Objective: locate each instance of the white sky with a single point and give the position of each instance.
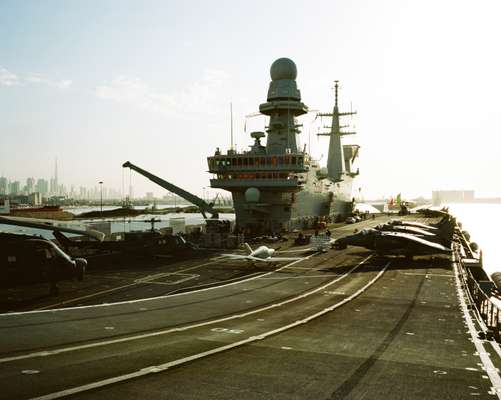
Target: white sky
(97, 83)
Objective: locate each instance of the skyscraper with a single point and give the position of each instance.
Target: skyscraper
(55, 175)
(42, 187)
(54, 184)
(14, 188)
(3, 185)
(30, 185)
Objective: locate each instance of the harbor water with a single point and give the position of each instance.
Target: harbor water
(482, 221)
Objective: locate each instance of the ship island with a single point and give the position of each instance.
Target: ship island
(278, 186)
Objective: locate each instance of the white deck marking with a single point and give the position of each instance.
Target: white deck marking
(482, 353)
(153, 279)
(427, 275)
(76, 299)
(163, 367)
(303, 250)
(302, 277)
(44, 309)
(179, 329)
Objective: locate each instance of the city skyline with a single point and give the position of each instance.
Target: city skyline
(44, 187)
(53, 188)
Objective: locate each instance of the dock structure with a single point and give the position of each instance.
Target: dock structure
(338, 325)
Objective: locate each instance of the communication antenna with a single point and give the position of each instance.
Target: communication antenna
(123, 188)
(130, 185)
(231, 122)
(309, 139)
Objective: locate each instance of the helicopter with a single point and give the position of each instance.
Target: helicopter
(26, 259)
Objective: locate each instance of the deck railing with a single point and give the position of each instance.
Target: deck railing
(486, 309)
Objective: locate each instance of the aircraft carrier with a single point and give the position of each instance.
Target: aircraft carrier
(343, 324)
(335, 324)
(280, 186)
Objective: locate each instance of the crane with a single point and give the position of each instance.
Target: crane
(201, 204)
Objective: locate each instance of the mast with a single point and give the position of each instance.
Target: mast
(231, 122)
(335, 161)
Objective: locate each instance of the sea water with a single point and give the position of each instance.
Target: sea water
(483, 223)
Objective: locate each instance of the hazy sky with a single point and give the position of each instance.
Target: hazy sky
(96, 83)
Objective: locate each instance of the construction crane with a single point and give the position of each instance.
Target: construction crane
(203, 206)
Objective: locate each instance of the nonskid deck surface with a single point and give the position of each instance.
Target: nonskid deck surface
(404, 338)
(339, 325)
(135, 278)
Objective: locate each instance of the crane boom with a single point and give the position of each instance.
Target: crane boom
(201, 204)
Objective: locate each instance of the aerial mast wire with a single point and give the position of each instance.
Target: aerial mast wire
(231, 123)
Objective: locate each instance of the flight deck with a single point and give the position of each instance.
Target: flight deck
(344, 324)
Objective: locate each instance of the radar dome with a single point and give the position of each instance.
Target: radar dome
(252, 195)
(283, 68)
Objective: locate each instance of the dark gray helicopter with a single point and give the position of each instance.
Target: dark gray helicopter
(28, 259)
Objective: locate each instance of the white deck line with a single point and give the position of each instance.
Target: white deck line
(162, 367)
(149, 298)
(489, 367)
(46, 353)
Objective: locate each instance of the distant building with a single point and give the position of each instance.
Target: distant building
(42, 187)
(452, 196)
(30, 186)
(35, 199)
(149, 196)
(14, 188)
(5, 207)
(4, 185)
(83, 193)
(52, 187)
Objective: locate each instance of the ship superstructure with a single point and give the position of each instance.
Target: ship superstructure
(277, 186)
(340, 160)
